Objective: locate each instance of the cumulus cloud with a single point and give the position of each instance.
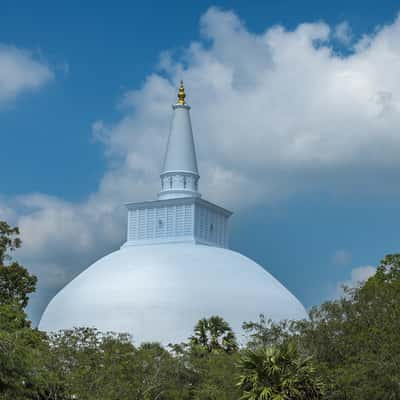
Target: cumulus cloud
(20, 71)
(358, 276)
(343, 33)
(274, 113)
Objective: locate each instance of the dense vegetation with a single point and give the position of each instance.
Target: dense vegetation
(348, 349)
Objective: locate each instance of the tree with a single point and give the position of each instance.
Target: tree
(16, 283)
(355, 340)
(214, 334)
(21, 353)
(9, 240)
(278, 373)
(21, 347)
(206, 375)
(263, 332)
(84, 363)
(215, 375)
(388, 271)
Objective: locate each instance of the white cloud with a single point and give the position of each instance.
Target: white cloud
(358, 276)
(343, 33)
(20, 71)
(274, 114)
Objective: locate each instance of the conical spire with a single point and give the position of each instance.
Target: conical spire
(179, 176)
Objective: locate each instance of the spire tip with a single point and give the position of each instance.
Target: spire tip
(181, 94)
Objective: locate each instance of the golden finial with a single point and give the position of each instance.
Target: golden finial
(181, 94)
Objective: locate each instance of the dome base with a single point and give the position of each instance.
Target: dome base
(159, 292)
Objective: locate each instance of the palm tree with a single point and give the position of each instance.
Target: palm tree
(214, 334)
(278, 373)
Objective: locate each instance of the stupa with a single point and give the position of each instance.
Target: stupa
(175, 266)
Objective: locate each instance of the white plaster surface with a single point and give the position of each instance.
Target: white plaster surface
(159, 292)
(180, 154)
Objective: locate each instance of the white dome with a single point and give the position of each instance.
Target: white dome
(159, 292)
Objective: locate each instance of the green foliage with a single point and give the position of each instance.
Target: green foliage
(9, 240)
(16, 283)
(216, 376)
(20, 345)
(354, 341)
(388, 271)
(209, 375)
(89, 365)
(265, 332)
(278, 373)
(21, 348)
(214, 334)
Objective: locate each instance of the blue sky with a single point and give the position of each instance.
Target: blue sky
(63, 132)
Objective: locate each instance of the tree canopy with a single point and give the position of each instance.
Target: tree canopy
(277, 372)
(16, 283)
(214, 334)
